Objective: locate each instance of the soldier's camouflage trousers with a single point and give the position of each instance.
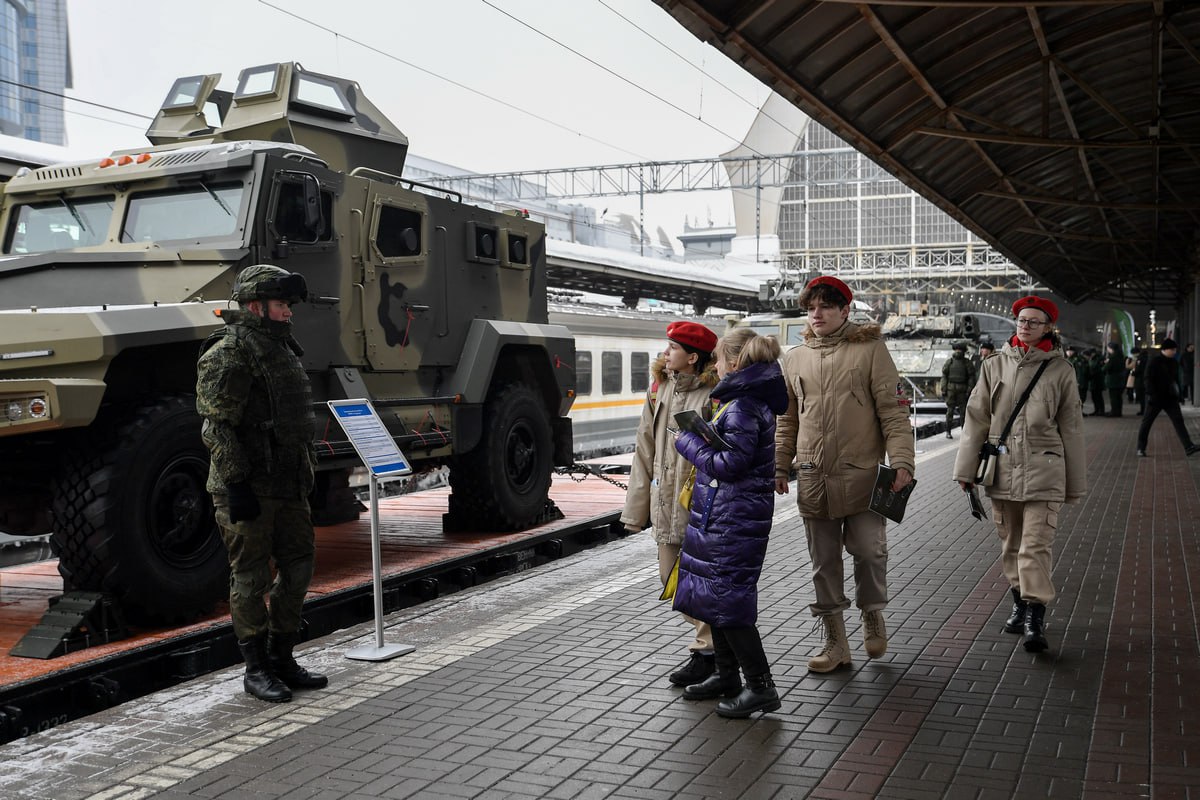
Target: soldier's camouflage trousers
(283, 533)
(956, 400)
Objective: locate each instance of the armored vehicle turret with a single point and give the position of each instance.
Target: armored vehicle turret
(922, 336)
(114, 271)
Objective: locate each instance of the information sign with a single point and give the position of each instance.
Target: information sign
(370, 438)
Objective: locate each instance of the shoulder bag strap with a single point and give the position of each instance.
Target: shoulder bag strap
(1020, 403)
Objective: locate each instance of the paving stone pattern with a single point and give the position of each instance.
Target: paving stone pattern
(553, 684)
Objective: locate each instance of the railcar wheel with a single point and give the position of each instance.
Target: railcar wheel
(505, 481)
(133, 518)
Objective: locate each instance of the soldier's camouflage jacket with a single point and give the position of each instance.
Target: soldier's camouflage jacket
(256, 401)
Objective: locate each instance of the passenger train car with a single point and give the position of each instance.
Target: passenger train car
(614, 348)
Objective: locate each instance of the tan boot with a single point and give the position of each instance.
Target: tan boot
(836, 652)
(874, 634)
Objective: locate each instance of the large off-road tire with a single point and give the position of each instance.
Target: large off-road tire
(133, 518)
(503, 483)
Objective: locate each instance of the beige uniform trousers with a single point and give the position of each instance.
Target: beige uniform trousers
(864, 537)
(1026, 531)
(667, 553)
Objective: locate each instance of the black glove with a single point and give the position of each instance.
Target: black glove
(243, 505)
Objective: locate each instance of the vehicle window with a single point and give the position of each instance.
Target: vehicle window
(58, 224)
(185, 213)
(639, 372)
(610, 372)
(795, 332)
(289, 214)
(399, 232)
(583, 372)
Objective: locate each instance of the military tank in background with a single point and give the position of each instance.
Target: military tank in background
(921, 337)
(114, 270)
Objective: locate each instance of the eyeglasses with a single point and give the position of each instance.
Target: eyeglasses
(1030, 323)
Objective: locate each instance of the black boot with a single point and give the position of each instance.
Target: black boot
(1016, 620)
(714, 686)
(759, 695)
(726, 681)
(279, 654)
(698, 667)
(1035, 640)
(259, 681)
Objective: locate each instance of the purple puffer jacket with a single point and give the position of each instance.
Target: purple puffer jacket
(734, 500)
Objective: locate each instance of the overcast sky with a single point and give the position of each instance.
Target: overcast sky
(487, 85)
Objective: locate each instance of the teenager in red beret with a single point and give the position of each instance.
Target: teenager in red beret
(1041, 465)
(681, 378)
(843, 418)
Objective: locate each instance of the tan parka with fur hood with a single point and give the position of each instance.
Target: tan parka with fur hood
(842, 417)
(658, 471)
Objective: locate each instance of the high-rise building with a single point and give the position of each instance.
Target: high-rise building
(35, 68)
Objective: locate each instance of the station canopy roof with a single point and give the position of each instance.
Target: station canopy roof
(1064, 132)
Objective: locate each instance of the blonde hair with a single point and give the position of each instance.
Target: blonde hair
(742, 347)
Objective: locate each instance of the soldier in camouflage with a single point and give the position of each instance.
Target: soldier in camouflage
(256, 402)
(958, 376)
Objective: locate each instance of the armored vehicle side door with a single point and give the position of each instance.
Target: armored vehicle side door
(305, 221)
(405, 294)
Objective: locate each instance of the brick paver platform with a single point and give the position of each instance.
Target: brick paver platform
(552, 684)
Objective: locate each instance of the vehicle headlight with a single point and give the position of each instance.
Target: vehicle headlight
(27, 408)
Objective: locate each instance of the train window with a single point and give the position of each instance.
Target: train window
(639, 372)
(583, 372)
(610, 372)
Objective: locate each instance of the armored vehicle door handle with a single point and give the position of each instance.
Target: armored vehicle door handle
(420, 309)
(320, 300)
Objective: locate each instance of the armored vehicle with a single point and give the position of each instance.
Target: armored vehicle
(921, 336)
(786, 320)
(115, 270)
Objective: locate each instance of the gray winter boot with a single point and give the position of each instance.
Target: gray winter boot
(836, 652)
(874, 633)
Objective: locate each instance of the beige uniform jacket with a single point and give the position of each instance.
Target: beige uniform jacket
(1045, 458)
(843, 416)
(658, 471)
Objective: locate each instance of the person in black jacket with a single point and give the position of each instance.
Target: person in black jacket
(1162, 394)
(1141, 360)
(1114, 378)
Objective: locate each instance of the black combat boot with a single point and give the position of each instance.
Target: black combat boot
(725, 682)
(1016, 620)
(1035, 640)
(279, 654)
(259, 681)
(759, 695)
(698, 667)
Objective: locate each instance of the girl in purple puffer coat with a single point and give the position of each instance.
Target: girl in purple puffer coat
(730, 519)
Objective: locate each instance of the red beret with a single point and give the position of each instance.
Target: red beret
(829, 280)
(1040, 303)
(693, 335)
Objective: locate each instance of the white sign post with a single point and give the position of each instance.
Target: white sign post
(383, 461)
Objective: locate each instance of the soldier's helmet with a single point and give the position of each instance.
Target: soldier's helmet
(267, 282)
(960, 347)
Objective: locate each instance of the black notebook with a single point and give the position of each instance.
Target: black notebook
(692, 421)
(976, 504)
(884, 501)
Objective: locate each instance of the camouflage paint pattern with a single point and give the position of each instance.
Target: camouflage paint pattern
(417, 300)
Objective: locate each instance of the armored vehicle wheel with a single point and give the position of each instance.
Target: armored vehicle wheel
(133, 519)
(505, 480)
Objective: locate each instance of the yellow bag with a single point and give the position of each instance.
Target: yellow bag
(685, 494)
(668, 591)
